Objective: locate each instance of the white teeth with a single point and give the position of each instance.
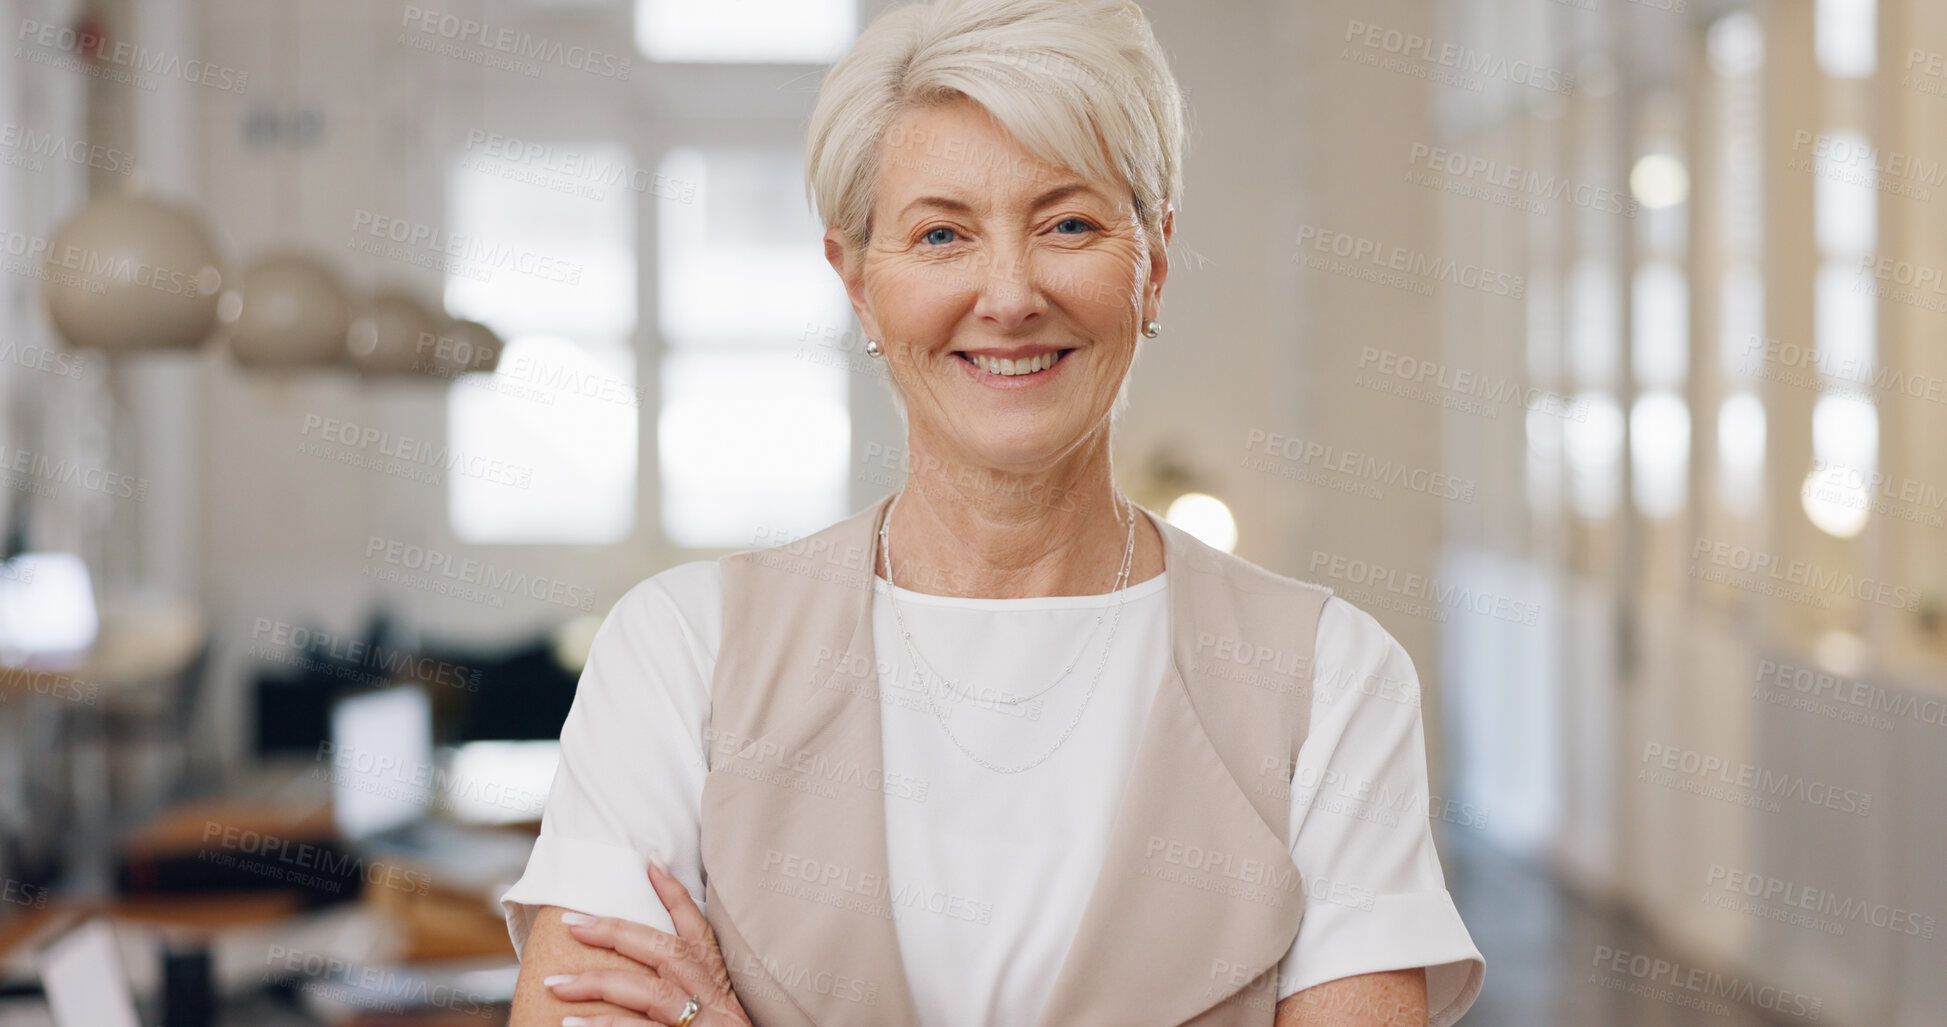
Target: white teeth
(1026, 365)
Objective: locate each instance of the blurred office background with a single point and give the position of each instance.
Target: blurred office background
(1593, 346)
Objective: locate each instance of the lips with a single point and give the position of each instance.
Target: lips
(1017, 363)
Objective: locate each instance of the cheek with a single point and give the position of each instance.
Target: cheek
(1099, 287)
(919, 303)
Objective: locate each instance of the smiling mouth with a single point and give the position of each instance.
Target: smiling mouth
(1015, 368)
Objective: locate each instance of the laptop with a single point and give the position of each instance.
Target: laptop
(396, 798)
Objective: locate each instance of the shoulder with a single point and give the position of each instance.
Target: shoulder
(1235, 572)
(687, 597)
(1355, 636)
(1359, 667)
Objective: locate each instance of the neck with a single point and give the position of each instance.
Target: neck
(963, 529)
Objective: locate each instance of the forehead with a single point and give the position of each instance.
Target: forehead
(957, 150)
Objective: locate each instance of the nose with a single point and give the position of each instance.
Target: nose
(1009, 296)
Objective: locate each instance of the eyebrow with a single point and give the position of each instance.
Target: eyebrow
(960, 207)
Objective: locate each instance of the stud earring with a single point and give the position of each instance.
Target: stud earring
(872, 348)
(1152, 328)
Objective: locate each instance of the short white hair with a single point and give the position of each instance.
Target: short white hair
(1080, 84)
(1068, 79)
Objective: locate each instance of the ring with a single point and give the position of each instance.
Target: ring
(694, 1007)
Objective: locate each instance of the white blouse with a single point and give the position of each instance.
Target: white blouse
(1005, 861)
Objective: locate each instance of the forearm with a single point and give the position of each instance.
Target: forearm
(551, 950)
(1394, 998)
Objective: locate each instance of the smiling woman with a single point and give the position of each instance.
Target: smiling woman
(1014, 772)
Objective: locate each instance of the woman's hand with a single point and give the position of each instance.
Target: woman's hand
(676, 966)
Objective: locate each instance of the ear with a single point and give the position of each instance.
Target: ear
(1159, 267)
(849, 266)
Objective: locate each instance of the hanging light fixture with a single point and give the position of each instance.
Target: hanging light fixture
(132, 272)
(462, 347)
(290, 310)
(385, 334)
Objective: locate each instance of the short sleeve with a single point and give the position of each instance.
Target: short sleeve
(629, 788)
(1376, 898)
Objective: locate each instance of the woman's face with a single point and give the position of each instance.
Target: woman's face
(986, 263)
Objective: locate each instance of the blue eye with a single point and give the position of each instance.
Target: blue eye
(1085, 226)
(933, 236)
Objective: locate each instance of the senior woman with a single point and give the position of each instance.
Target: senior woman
(1003, 748)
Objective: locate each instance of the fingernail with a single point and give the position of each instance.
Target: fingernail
(557, 979)
(575, 1021)
(577, 919)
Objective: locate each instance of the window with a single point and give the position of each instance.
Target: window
(1837, 491)
(1736, 45)
(552, 272)
(810, 31)
(752, 438)
(1842, 37)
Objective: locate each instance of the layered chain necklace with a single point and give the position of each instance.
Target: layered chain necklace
(939, 708)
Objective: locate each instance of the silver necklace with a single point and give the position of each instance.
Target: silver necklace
(1121, 581)
(939, 708)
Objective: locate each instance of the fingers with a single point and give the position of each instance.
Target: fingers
(644, 992)
(605, 1020)
(690, 924)
(644, 944)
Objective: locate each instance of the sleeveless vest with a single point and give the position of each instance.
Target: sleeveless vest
(1197, 899)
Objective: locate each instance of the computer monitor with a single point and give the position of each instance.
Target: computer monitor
(380, 760)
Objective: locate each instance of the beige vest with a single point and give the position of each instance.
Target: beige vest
(1197, 899)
